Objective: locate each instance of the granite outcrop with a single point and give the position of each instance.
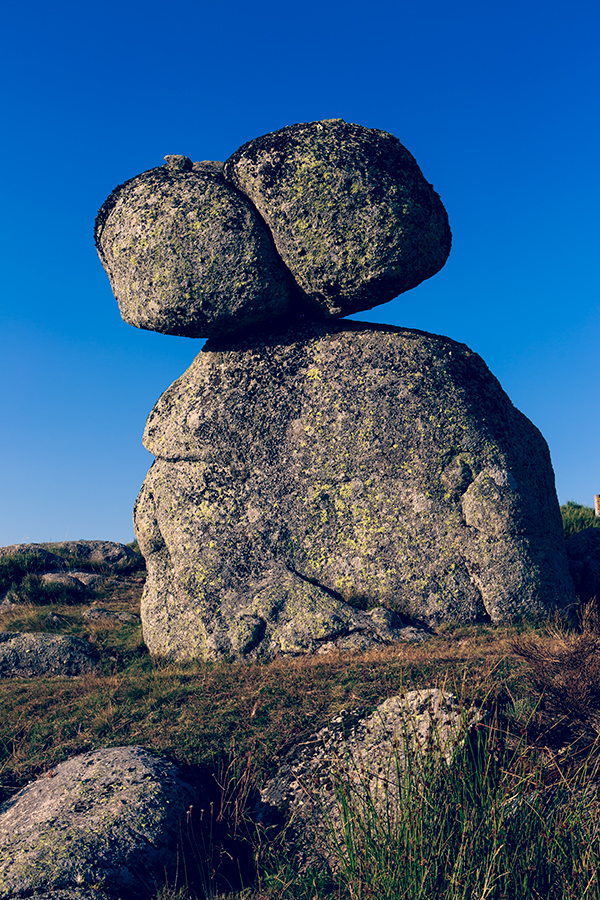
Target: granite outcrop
(319, 484)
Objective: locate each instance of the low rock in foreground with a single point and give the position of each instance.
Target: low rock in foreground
(105, 823)
(364, 756)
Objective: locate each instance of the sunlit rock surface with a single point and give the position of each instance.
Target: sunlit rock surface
(303, 473)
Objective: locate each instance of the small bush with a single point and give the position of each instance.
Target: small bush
(564, 668)
(15, 567)
(34, 591)
(576, 517)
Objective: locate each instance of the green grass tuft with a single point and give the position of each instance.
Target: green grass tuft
(576, 517)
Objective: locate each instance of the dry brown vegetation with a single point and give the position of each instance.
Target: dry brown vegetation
(540, 684)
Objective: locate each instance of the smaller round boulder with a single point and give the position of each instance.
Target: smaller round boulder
(186, 254)
(350, 212)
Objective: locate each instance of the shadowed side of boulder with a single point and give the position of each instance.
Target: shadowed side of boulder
(583, 552)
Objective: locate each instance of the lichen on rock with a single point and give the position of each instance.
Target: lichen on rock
(301, 470)
(186, 254)
(350, 212)
(106, 821)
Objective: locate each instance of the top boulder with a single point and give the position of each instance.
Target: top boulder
(320, 220)
(349, 210)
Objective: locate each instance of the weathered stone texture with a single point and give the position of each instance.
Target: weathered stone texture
(32, 655)
(350, 212)
(187, 254)
(365, 756)
(106, 821)
(300, 469)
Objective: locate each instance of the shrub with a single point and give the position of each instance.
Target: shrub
(576, 517)
(564, 668)
(15, 567)
(33, 590)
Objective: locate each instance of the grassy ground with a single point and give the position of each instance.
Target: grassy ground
(229, 723)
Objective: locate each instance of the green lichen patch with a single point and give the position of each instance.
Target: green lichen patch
(350, 212)
(188, 255)
(365, 461)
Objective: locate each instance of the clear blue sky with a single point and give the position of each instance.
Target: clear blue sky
(498, 102)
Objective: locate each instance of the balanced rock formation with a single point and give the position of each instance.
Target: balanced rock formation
(350, 212)
(348, 209)
(319, 484)
(302, 471)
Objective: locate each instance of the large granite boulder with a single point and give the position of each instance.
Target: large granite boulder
(301, 474)
(350, 212)
(106, 822)
(187, 254)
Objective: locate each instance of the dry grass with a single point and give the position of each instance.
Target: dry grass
(231, 722)
(564, 669)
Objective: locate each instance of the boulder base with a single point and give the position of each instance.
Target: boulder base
(303, 476)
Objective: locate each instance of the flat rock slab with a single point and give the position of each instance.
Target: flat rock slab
(350, 212)
(106, 821)
(97, 613)
(364, 755)
(302, 473)
(31, 655)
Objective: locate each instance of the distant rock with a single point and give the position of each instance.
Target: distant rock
(303, 473)
(103, 824)
(363, 754)
(583, 553)
(350, 212)
(91, 580)
(66, 580)
(109, 554)
(31, 655)
(45, 560)
(187, 254)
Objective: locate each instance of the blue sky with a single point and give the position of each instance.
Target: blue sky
(498, 103)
